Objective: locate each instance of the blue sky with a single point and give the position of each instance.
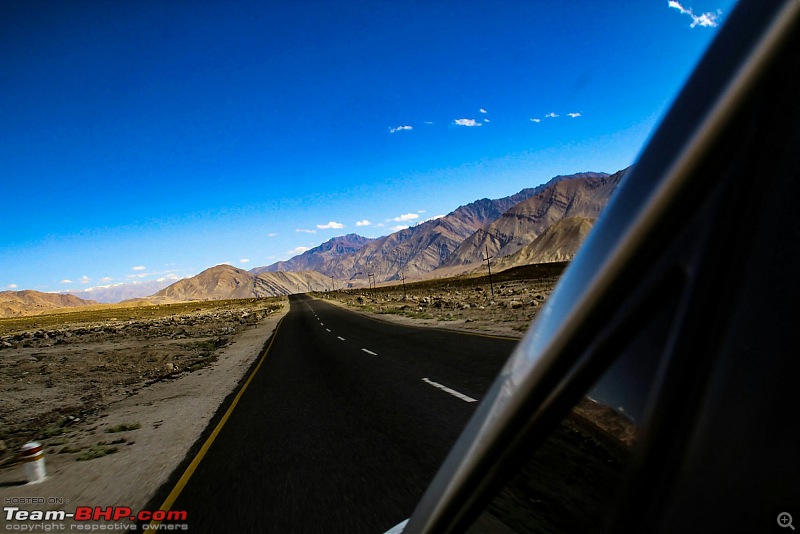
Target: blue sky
(143, 140)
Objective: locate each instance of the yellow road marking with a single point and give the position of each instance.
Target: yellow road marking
(176, 491)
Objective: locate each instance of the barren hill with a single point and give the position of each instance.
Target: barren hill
(227, 282)
(579, 195)
(29, 302)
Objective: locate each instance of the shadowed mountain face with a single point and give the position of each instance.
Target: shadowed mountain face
(582, 195)
(227, 282)
(29, 302)
(559, 242)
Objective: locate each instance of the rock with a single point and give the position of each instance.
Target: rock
(515, 304)
(169, 368)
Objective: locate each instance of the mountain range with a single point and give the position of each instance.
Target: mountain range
(502, 227)
(536, 225)
(581, 195)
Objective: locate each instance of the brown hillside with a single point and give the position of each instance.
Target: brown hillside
(227, 282)
(29, 302)
(580, 196)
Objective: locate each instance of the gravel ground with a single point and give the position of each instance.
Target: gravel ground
(118, 404)
(509, 312)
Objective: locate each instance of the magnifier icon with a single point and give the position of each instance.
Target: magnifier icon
(785, 520)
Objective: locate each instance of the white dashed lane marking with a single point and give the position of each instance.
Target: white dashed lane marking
(452, 392)
(370, 352)
(340, 338)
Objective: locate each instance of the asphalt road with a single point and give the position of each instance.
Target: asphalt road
(343, 426)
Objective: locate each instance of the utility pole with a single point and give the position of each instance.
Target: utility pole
(403, 278)
(489, 265)
(333, 285)
(371, 278)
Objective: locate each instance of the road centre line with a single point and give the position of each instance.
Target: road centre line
(370, 352)
(340, 337)
(328, 329)
(452, 392)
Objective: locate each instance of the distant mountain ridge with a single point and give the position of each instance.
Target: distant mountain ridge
(416, 250)
(504, 225)
(579, 195)
(119, 292)
(316, 258)
(30, 302)
(541, 224)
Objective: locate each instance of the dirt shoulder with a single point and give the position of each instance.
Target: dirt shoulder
(122, 450)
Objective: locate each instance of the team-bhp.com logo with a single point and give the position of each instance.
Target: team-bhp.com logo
(97, 513)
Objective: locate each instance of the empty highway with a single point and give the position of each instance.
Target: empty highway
(341, 428)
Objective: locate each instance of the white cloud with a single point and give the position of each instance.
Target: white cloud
(420, 211)
(12, 286)
(429, 123)
(536, 120)
(706, 20)
(486, 120)
(106, 279)
(140, 275)
(405, 217)
(483, 110)
(244, 260)
(551, 115)
(365, 222)
(574, 115)
(398, 228)
(304, 231)
(400, 129)
(85, 279)
(169, 277)
(272, 234)
(380, 225)
(66, 281)
(331, 225)
(138, 268)
(298, 250)
(467, 122)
